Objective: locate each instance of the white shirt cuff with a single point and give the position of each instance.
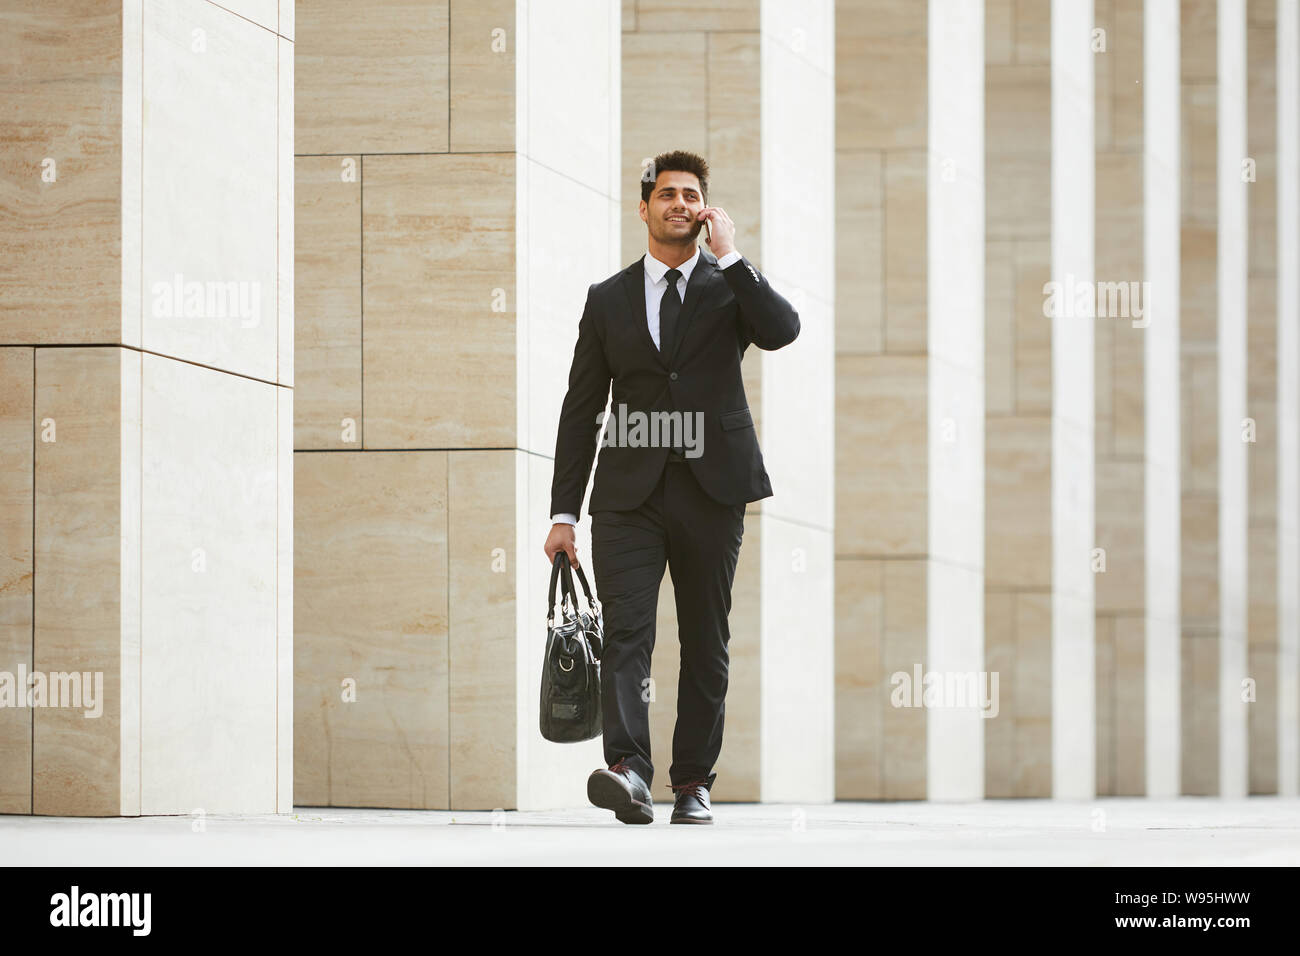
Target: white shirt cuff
(564, 519)
(730, 258)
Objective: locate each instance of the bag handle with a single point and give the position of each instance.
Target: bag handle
(560, 570)
(561, 561)
(586, 588)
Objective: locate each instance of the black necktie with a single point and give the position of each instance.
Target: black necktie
(670, 306)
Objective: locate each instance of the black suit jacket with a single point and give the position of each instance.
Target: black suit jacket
(723, 313)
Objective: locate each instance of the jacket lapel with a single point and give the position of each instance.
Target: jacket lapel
(695, 286)
(633, 283)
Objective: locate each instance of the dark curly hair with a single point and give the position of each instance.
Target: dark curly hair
(678, 161)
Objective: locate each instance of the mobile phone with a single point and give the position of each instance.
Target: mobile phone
(708, 236)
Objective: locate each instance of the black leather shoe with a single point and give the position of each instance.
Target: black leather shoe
(692, 805)
(621, 789)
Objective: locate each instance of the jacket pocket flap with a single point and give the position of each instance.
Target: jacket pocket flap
(737, 419)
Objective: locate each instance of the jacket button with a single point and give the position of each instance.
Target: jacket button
(673, 376)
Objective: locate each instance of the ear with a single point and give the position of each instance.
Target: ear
(641, 209)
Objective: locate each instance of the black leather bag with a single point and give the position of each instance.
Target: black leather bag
(570, 705)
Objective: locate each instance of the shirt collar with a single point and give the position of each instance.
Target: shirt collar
(656, 269)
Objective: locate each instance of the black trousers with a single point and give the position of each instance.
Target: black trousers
(698, 539)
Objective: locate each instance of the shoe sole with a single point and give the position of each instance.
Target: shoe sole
(608, 794)
(707, 823)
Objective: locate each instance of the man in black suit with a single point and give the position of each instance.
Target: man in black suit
(669, 332)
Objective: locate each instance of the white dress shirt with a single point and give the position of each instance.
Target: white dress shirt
(656, 284)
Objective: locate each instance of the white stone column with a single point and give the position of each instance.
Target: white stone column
(1073, 624)
(798, 402)
(1162, 516)
(955, 392)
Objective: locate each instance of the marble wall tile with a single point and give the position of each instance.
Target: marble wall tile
(77, 760)
(734, 121)
(661, 15)
(859, 252)
(17, 438)
(1106, 704)
(1017, 504)
(327, 294)
(1126, 41)
(215, 91)
(1000, 328)
(209, 665)
(861, 687)
(1033, 330)
(740, 764)
(1263, 719)
(1033, 23)
(1120, 531)
(881, 55)
(438, 234)
(370, 607)
(1200, 713)
(481, 628)
(1035, 695)
(284, 600)
(483, 38)
(1130, 707)
(881, 443)
(1017, 129)
(1200, 566)
(905, 266)
(61, 83)
(372, 79)
(566, 104)
(999, 31)
(903, 646)
(1000, 736)
(797, 661)
(1198, 21)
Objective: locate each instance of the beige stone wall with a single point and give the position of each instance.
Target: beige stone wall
(406, 420)
(1018, 396)
(881, 403)
(1120, 406)
(1198, 379)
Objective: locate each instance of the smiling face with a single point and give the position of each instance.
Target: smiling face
(672, 210)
